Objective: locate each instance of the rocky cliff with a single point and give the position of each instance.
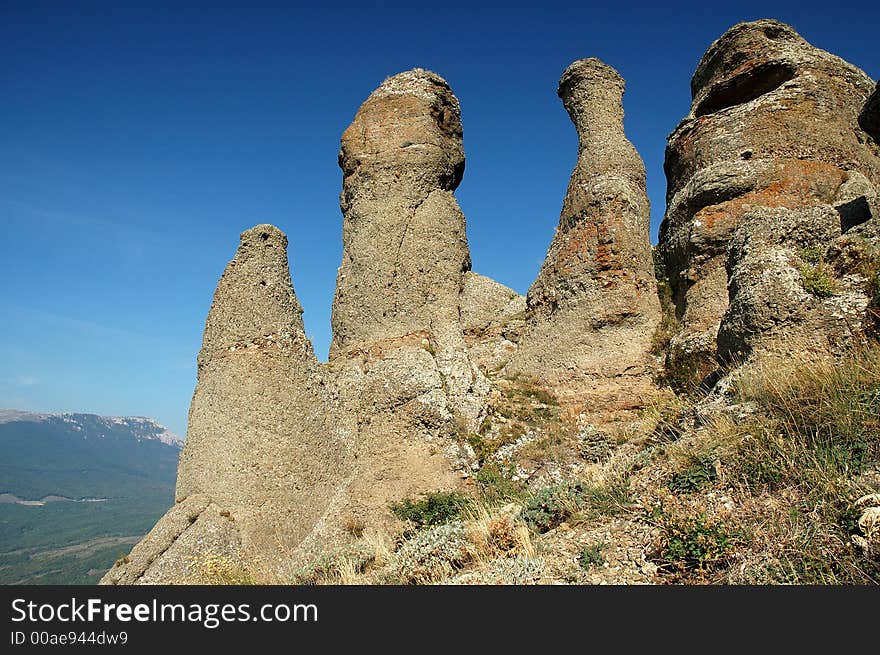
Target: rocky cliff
(443, 380)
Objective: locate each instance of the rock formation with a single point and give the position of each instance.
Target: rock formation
(771, 239)
(769, 167)
(266, 446)
(593, 308)
(492, 317)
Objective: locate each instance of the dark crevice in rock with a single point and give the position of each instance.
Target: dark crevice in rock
(745, 87)
(853, 213)
(869, 118)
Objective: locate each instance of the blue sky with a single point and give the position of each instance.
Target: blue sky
(139, 139)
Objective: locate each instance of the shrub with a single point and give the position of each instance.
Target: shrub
(431, 555)
(211, 568)
(516, 570)
(434, 508)
(699, 473)
(552, 506)
(330, 567)
(496, 485)
(813, 255)
(685, 372)
(591, 556)
(694, 543)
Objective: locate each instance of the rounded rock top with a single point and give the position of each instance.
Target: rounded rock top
(590, 71)
(416, 82)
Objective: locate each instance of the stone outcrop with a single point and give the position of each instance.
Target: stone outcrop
(403, 239)
(492, 318)
(769, 161)
(266, 446)
(405, 252)
(593, 308)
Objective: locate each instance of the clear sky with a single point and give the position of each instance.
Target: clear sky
(138, 139)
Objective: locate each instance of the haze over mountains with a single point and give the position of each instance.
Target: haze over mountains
(76, 490)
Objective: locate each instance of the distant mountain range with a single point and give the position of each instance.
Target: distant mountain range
(76, 490)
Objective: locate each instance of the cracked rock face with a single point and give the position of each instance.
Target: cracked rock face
(593, 308)
(265, 448)
(773, 124)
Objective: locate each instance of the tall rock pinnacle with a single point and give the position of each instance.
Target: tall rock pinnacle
(769, 163)
(404, 244)
(405, 251)
(264, 454)
(254, 356)
(593, 308)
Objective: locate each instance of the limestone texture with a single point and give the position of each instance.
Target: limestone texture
(404, 244)
(593, 308)
(773, 124)
(492, 318)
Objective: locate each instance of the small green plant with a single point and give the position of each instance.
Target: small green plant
(668, 325)
(695, 543)
(483, 448)
(813, 254)
(608, 499)
(591, 556)
(434, 508)
(698, 474)
(495, 484)
(329, 566)
(684, 371)
(552, 506)
(819, 280)
(431, 555)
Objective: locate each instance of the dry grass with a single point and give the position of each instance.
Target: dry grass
(498, 532)
(212, 568)
(790, 475)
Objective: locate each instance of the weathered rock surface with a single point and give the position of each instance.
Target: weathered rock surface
(405, 251)
(770, 309)
(593, 308)
(492, 318)
(773, 124)
(266, 443)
